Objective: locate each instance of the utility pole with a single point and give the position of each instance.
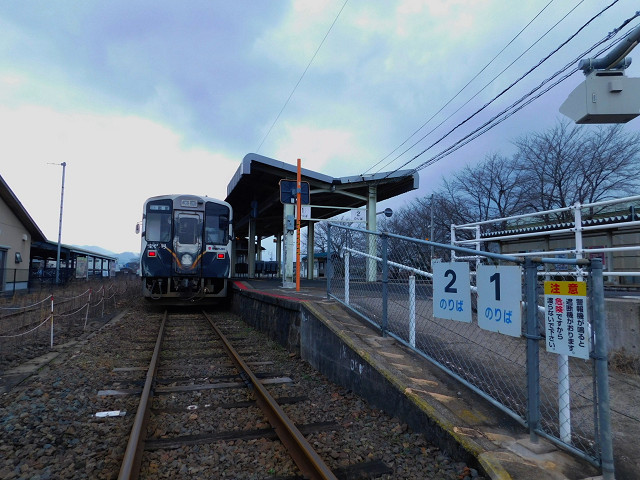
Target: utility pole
(64, 165)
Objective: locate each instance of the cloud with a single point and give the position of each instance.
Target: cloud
(146, 97)
(113, 164)
(318, 148)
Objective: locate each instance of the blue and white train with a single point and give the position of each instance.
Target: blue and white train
(186, 247)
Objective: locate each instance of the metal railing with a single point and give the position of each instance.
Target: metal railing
(474, 321)
(608, 229)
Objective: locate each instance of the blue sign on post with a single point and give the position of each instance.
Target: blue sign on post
(289, 192)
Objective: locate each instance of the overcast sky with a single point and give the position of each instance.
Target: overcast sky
(153, 97)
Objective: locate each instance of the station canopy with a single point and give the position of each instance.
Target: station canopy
(255, 190)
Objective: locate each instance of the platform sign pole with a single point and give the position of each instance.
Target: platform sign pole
(602, 370)
(533, 353)
(298, 215)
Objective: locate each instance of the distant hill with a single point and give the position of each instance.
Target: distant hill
(124, 257)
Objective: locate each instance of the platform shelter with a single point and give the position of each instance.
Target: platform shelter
(254, 194)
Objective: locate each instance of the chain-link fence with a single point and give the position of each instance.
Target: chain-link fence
(471, 319)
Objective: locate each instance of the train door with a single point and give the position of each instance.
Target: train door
(216, 263)
(187, 242)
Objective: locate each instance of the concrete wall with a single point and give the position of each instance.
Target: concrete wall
(280, 319)
(300, 329)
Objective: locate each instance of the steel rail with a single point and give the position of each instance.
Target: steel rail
(305, 457)
(130, 468)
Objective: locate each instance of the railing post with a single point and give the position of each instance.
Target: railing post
(412, 310)
(329, 267)
(51, 321)
(346, 278)
(602, 370)
(533, 358)
(86, 316)
(385, 282)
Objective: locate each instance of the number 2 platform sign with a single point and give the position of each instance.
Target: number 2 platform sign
(452, 291)
(566, 314)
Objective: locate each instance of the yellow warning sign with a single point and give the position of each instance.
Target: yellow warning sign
(566, 288)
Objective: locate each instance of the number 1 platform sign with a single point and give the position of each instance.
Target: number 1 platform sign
(566, 315)
(452, 291)
(499, 294)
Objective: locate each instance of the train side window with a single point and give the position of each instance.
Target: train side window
(217, 224)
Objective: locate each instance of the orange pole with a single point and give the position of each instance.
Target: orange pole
(298, 214)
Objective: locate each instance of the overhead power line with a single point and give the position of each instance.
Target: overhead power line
(465, 86)
(479, 91)
(519, 104)
(301, 76)
(608, 37)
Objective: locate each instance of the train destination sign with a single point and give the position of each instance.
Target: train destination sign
(499, 293)
(452, 291)
(567, 322)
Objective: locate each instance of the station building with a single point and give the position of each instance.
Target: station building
(28, 259)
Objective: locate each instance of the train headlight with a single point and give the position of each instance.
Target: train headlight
(186, 259)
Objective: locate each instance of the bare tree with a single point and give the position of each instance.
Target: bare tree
(492, 189)
(339, 237)
(611, 166)
(550, 170)
(570, 164)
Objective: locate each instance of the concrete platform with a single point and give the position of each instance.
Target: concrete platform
(350, 352)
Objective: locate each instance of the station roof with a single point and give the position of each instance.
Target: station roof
(48, 250)
(258, 179)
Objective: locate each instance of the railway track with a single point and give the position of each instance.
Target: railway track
(202, 418)
(306, 459)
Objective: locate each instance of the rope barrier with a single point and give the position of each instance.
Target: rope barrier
(68, 314)
(101, 300)
(17, 311)
(28, 332)
(27, 306)
(77, 296)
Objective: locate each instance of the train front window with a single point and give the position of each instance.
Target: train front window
(189, 228)
(158, 222)
(216, 224)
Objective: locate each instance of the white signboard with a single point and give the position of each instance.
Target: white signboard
(499, 294)
(452, 291)
(358, 215)
(81, 267)
(567, 322)
(305, 212)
